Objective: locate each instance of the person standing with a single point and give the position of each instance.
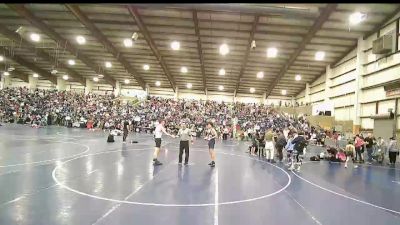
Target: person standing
(125, 131)
(369, 143)
(211, 134)
(269, 146)
(300, 145)
(160, 129)
(280, 144)
(185, 134)
(350, 152)
(358, 144)
(393, 151)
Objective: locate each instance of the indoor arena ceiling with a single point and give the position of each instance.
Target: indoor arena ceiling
(297, 31)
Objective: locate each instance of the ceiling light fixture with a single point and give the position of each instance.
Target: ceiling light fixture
(10, 69)
(135, 36)
(319, 56)
(189, 85)
(272, 52)
(6, 73)
(126, 81)
(184, 69)
(53, 71)
(35, 75)
(223, 49)
(65, 77)
(158, 83)
(356, 18)
(283, 92)
(128, 42)
(1, 58)
(81, 40)
(146, 67)
(221, 72)
(260, 75)
(108, 64)
(175, 45)
(95, 79)
(220, 87)
(100, 75)
(252, 90)
(297, 77)
(71, 62)
(35, 37)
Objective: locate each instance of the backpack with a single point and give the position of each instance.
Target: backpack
(110, 138)
(300, 146)
(315, 158)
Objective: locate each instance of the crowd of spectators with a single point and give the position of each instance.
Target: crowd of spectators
(66, 108)
(249, 122)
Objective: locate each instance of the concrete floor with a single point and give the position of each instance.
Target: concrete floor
(57, 175)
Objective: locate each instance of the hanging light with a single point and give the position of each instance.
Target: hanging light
(65, 77)
(35, 37)
(272, 52)
(224, 49)
(108, 64)
(71, 62)
(81, 40)
(126, 81)
(319, 56)
(221, 72)
(175, 45)
(95, 79)
(128, 42)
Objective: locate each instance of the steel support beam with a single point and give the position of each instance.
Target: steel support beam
(39, 52)
(259, 9)
(31, 66)
(200, 50)
(47, 30)
(139, 22)
(246, 57)
(324, 16)
(385, 21)
(103, 39)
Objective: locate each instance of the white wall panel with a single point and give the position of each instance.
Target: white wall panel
(368, 109)
(246, 99)
(45, 84)
(346, 113)
(381, 77)
(343, 89)
(319, 80)
(317, 97)
(15, 82)
(342, 79)
(317, 88)
(367, 123)
(374, 94)
(385, 105)
(345, 67)
(343, 100)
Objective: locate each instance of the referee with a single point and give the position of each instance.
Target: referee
(185, 134)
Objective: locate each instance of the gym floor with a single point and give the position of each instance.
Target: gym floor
(60, 175)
